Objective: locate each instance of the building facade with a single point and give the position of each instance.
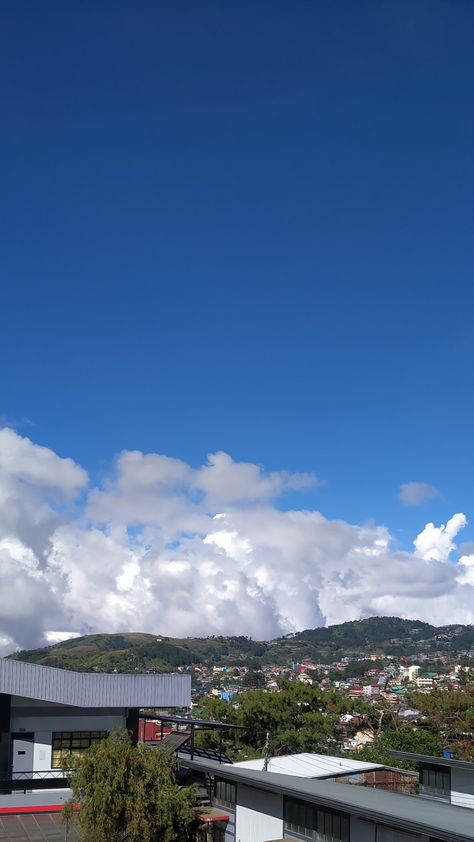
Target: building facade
(269, 807)
(46, 713)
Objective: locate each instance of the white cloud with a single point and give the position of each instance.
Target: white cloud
(60, 636)
(436, 543)
(416, 493)
(164, 547)
(226, 482)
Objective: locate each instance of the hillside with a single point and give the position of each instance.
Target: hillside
(131, 652)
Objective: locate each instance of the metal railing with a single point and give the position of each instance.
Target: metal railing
(31, 780)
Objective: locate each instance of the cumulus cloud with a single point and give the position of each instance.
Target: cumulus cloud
(436, 543)
(165, 547)
(416, 493)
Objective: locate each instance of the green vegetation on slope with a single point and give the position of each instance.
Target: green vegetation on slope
(136, 652)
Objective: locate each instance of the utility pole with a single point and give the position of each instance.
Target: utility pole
(266, 752)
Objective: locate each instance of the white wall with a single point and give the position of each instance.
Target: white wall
(259, 815)
(462, 787)
(44, 726)
(42, 750)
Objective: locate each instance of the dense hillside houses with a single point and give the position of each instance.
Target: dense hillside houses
(361, 748)
(307, 796)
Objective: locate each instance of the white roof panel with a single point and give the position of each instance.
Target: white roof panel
(307, 765)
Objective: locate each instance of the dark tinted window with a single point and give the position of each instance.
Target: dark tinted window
(225, 793)
(435, 781)
(315, 824)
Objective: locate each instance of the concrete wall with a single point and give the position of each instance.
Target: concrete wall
(462, 787)
(35, 799)
(259, 815)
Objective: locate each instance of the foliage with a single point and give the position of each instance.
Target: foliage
(128, 792)
(450, 716)
(411, 739)
(137, 652)
(298, 718)
(253, 679)
(304, 718)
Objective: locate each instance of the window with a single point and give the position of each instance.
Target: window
(225, 793)
(300, 817)
(435, 781)
(73, 742)
(315, 824)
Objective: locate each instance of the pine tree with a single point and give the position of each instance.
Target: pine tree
(128, 793)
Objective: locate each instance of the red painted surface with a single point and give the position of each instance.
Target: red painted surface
(40, 808)
(149, 731)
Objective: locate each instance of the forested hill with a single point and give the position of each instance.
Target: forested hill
(130, 652)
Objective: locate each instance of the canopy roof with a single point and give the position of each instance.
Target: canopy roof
(93, 690)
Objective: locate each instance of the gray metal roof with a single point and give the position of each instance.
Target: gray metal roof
(404, 812)
(431, 758)
(93, 690)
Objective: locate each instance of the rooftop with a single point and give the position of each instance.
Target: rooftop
(310, 765)
(430, 758)
(418, 815)
(93, 690)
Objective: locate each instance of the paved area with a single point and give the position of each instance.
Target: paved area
(40, 827)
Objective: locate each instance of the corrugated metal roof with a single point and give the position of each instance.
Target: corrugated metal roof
(403, 812)
(307, 765)
(89, 690)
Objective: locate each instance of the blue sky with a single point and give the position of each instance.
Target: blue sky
(245, 227)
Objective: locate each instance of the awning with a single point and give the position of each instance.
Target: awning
(211, 814)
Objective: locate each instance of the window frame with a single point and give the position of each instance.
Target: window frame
(73, 742)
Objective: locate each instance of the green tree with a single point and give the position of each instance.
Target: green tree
(253, 679)
(128, 792)
(410, 739)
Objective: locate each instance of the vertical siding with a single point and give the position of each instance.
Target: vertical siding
(259, 815)
(94, 690)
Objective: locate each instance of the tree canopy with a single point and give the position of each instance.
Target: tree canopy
(128, 792)
(304, 718)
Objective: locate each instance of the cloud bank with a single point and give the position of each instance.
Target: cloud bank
(164, 547)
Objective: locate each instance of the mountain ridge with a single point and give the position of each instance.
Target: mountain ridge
(140, 651)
